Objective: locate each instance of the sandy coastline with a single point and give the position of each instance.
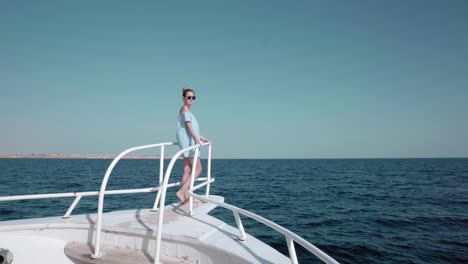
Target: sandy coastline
(74, 156)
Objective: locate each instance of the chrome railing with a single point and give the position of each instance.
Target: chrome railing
(165, 185)
(160, 196)
(102, 191)
(291, 237)
(79, 195)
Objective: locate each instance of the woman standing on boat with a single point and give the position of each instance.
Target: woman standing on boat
(188, 134)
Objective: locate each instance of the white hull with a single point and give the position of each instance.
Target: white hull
(129, 237)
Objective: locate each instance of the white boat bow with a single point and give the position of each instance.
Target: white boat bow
(177, 234)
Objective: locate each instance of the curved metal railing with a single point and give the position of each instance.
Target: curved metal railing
(161, 189)
(290, 236)
(79, 195)
(161, 197)
(102, 191)
(164, 188)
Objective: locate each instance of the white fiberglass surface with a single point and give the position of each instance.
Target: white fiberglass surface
(34, 249)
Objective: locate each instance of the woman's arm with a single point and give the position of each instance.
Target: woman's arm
(188, 124)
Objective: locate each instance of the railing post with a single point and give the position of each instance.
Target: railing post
(156, 201)
(208, 171)
(161, 166)
(97, 241)
(157, 250)
(292, 250)
(242, 237)
(163, 200)
(192, 179)
(160, 222)
(161, 175)
(72, 206)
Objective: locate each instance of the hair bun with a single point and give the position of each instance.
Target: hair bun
(185, 88)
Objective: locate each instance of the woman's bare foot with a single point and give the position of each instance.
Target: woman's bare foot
(182, 198)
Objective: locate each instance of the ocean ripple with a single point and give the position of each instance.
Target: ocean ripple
(356, 210)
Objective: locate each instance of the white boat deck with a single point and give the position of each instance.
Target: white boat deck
(184, 237)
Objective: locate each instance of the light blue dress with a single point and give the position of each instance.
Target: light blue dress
(184, 138)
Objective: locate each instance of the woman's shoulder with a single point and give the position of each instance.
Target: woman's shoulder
(184, 109)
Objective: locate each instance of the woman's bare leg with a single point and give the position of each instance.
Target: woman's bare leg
(185, 177)
(183, 192)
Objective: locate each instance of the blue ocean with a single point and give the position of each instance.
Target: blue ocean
(356, 210)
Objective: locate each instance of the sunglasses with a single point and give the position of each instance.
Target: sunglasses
(190, 97)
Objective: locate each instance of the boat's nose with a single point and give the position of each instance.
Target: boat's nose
(6, 257)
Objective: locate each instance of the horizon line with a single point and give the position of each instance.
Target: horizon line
(148, 156)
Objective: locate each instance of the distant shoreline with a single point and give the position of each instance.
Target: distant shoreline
(111, 156)
(75, 156)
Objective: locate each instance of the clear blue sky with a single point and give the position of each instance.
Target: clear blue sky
(274, 79)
